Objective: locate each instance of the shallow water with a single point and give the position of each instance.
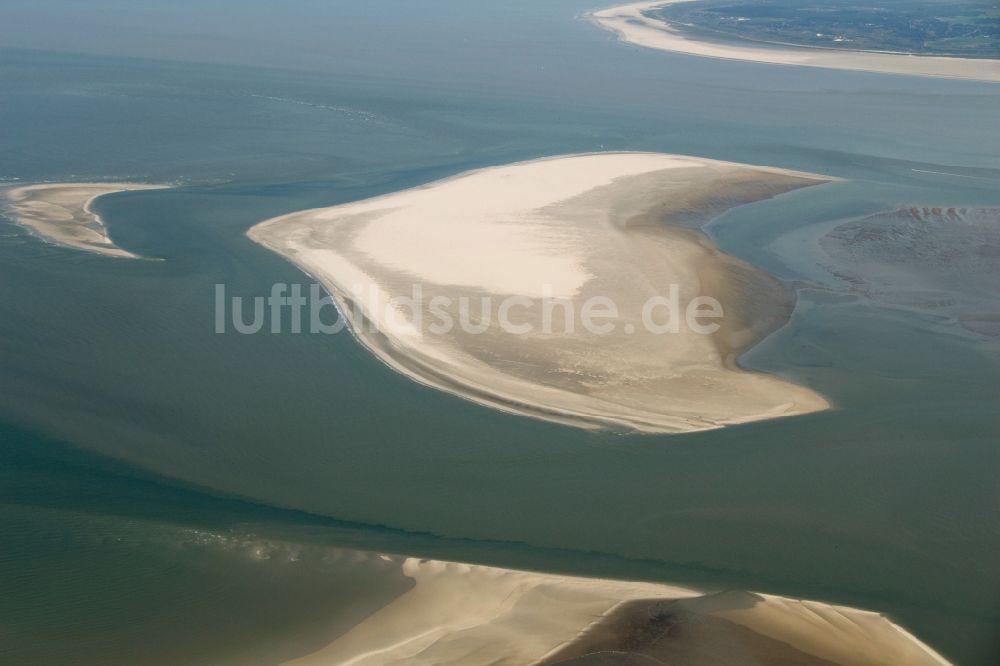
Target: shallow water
(889, 502)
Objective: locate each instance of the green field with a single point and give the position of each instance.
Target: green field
(942, 27)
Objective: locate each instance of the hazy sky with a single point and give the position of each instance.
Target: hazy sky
(300, 34)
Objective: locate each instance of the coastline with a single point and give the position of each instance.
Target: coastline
(60, 213)
(632, 26)
(580, 226)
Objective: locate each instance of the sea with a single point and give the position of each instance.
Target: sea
(172, 495)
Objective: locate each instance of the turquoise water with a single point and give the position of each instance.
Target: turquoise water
(127, 422)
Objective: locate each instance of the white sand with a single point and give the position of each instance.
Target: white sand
(61, 213)
(838, 634)
(577, 227)
(468, 214)
(631, 25)
(469, 615)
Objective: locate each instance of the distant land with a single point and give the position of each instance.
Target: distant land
(968, 28)
(711, 29)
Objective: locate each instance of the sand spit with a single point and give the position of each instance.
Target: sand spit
(61, 213)
(631, 23)
(476, 615)
(616, 226)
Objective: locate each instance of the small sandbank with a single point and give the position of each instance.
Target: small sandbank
(471, 615)
(61, 213)
(937, 261)
(546, 238)
(632, 24)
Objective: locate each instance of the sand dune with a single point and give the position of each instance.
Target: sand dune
(633, 25)
(576, 229)
(61, 213)
(469, 615)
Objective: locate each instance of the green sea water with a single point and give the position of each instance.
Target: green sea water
(147, 460)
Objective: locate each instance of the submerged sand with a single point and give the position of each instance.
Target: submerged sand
(470, 615)
(632, 24)
(942, 262)
(61, 213)
(616, 226)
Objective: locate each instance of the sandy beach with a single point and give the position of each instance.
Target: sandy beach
(632, 25)
(616, 227)
(61, 213)
(473, 615)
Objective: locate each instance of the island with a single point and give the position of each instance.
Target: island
(778, 34)
(576, 289)
(966, 28)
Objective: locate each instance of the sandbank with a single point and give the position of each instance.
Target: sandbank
(61, 213)
(471, 615)
(615, 226)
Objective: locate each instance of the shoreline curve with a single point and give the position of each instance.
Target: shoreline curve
(60, 213)
(632, 25)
